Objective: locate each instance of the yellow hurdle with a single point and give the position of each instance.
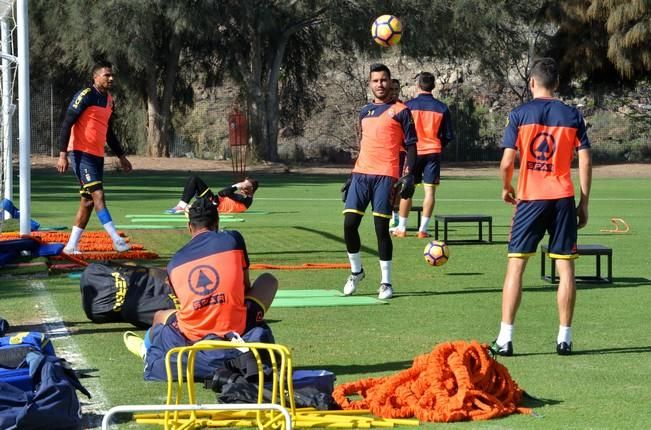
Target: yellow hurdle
(190, 415)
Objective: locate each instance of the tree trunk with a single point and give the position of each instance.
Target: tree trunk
(271, 106)
(159, 129)
(156, 146)
(256, 102)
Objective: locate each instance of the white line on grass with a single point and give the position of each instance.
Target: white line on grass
(67, 348)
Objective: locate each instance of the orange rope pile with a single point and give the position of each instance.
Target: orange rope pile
(94, 245)
(457, 381)
(304, 266)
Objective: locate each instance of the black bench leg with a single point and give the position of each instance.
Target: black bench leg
(598, 267)
(610, 268)
(436, 229)
(490, 231)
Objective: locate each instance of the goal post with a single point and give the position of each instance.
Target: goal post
(8, 62)
(19, 8)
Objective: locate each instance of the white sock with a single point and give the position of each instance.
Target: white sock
(110, 229)
(385, 269)
(564, 334)
(506, 334)
(424, 223)
(75, 235)
(402, 223)
(355, 262)
(181, 204)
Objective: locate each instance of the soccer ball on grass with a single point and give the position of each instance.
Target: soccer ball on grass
(386, 30)
(436, 253)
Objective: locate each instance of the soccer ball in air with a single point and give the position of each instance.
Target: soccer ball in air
(386, 30)
(436, 253)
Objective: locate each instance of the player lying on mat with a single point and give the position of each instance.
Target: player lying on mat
(233, 199)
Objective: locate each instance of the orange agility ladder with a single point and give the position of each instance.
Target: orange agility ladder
(457, 381)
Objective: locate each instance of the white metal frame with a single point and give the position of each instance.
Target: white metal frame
(24, 133)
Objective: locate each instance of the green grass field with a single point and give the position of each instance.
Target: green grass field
(604, 385)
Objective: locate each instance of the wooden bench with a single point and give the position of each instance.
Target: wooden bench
(596, 250)
(479, 219)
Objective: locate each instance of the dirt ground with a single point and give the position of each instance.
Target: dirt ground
(633, 170)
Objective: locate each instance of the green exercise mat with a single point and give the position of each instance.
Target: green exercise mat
(180, 220)
(313, 302)
(307, 293)
(317, 298)
(148, 227)
(168, 216)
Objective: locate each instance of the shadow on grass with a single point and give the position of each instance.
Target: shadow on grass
(91, 420)
(622, 350)
(581, 285)
(356, 369)
(529, 401)
(576, 352)
(339, 239)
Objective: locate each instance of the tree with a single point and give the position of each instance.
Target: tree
(628, 23)
(605, 42)
(154, 54)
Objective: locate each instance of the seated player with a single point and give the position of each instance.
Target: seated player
(210, 277)
(234, 199)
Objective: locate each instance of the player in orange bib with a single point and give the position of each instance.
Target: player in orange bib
(386, 126)
(434, 131)
(85, 130)
(210, 277)
(547, 133)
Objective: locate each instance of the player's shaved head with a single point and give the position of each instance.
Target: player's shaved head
(379, 67)
(101, 65)
(203, 214)
(545, 72)
(426, 81)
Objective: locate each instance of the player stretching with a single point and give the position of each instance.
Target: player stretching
(546, 132)
(236, 198)
(434, 131)
(84, 131)
(386, 126)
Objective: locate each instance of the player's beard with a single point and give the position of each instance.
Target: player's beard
(384, 97)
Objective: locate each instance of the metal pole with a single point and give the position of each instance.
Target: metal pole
(24, 133)
(7, 127)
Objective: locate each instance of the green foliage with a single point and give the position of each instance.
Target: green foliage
(603, 41)
(478, 130)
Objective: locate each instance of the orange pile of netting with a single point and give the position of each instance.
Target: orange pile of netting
(457, 381)
(94, 245)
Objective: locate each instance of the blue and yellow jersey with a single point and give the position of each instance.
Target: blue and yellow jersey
(546, 132)
(207, 275)
(433, 123)
(386, 127)
(91, 112)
